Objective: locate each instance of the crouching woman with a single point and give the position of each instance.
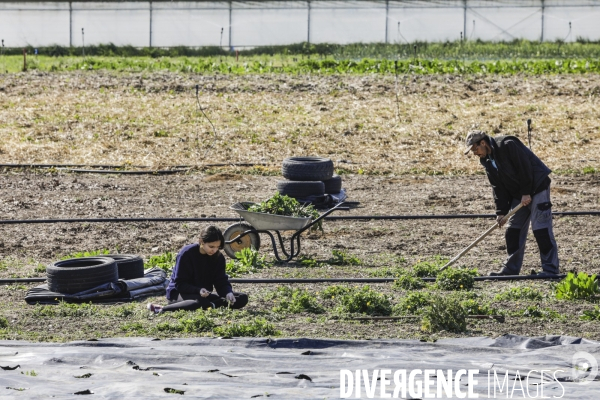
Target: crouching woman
(199, 268)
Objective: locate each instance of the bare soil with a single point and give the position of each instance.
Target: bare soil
(370, 123)
(391, 140)
(25, 248)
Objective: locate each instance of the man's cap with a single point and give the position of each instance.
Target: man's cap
(472, 138)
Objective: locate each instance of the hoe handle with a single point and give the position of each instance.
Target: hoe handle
(480, 238)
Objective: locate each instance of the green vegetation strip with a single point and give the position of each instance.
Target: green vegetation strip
(287, 65)
(443, 50)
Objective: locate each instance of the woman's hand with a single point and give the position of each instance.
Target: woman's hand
(230, 298)
(204, 292)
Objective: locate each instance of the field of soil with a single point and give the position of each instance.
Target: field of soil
(378, 244)
(397, 158)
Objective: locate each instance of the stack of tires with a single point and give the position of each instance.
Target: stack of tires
(308, 178)
(76, 275)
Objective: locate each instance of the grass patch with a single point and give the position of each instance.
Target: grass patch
(297, 301)
(64, 309)
(519, 293)
(257, 328)
(92, 253)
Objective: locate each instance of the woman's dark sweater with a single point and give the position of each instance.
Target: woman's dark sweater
(194, 271)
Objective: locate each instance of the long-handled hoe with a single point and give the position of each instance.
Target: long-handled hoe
(480, 238)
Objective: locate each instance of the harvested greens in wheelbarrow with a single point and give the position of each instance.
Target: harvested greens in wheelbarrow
(287, 206)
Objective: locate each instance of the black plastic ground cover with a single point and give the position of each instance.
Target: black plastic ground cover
(153, 283)
(298, 368)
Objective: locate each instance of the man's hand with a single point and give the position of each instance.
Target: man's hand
(525, 200)
(204, 292)
(230, 298)
(499, 219)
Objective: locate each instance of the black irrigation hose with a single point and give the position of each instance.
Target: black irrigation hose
(333, 280)
(112, 171)
(224, 219)
(112, 168)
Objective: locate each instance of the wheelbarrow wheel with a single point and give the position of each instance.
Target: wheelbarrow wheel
(246, 241)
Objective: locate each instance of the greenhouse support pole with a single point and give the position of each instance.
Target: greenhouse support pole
(230, 13)
(308, 23)
(465, 20)
(387, 18)
(150, 8)
(543, 7)
(70, 24)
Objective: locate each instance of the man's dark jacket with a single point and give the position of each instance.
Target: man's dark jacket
(194, 271)
(519, 172)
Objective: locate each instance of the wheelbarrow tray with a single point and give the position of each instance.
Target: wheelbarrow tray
(265, 222)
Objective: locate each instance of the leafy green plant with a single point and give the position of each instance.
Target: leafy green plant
(3, 323)
(444, 314)
(298, 300)
(30, 373)
(196, 323)
(474, 307)
(414, 303)
(335, 291)
(519, 293)
(408, 282)
(366, 301)
(248, 261)
(580, 286)
(258, 327)
(343, 258)
(591, 315)
(538, 312)
(429, 268)
(287, 206)
(309, 262)
(165, 261)
(456, 279)
(64, 309)
(81, 254)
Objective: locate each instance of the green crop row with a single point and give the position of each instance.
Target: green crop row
(304, 66)
(472, 50)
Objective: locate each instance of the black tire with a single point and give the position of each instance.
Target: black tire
(333, 185)
(307, 168)
(130, 266)
(78, 274)
(249, 240)
(299, 189)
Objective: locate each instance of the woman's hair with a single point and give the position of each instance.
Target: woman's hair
(212, 234)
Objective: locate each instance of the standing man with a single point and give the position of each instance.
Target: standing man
(518, 176)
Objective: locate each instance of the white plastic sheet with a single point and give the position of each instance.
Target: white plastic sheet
(284, 368)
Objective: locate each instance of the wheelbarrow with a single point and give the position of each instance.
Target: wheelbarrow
(242, 235)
